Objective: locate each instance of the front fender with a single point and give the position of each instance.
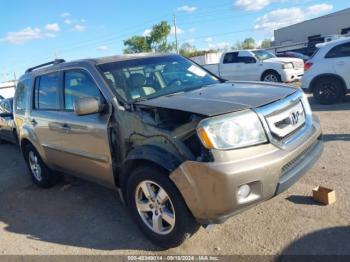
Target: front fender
(155, 154)
(151, 154)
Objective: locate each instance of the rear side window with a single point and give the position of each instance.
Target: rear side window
(47, 92)
(342, 50)
(78, 84)
(21, 97)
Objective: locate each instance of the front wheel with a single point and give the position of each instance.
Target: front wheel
(271, 76)
(158, 208)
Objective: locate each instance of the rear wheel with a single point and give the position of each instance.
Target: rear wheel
(271, 76)
(328, 90)
(158, 208)
(40, 173)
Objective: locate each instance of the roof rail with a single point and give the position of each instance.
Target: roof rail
(54, 62)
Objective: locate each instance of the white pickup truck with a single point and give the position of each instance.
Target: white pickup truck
(257, 65)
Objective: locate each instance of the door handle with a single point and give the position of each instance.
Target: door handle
(340, 63)
(33, 122)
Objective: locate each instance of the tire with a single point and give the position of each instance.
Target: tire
(41, 175)
(328, 90)
(271, 76)
(182, 224)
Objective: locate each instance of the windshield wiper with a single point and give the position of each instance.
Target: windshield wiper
(174, 94)
(140, 99)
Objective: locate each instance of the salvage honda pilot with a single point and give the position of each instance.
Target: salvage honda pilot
(182, 147)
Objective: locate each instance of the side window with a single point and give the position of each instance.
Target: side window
(342, 50)
(78, 84)
(247, 59)
(47, 92)
(21, 96)
(230, 58)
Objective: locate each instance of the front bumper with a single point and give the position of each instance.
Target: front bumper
(291, 75)
(210, 189)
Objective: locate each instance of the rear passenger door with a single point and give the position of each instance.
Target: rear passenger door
(84, 140)
(45, 108)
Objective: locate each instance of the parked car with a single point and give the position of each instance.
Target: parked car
(183, 147)
(327, 72)
(257, 65)
(7, 125)
(293, 54)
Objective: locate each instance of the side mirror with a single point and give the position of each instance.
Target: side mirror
(88, 106)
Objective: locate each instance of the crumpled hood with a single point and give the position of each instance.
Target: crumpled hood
(223, 98)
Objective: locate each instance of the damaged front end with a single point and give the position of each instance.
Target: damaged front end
(164, 137)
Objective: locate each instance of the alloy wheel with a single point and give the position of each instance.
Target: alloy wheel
(328, 91)
(155, 207)
(271, 78)
(35, 166)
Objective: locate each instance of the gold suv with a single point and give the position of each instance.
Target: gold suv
(182, 146)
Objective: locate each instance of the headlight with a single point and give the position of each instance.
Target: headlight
(287, 66)
(231, 131)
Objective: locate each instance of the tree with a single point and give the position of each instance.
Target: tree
(137, 44)
(156, 40)
(248, 43)
(237, 46)
(187, 50)
(266, 43)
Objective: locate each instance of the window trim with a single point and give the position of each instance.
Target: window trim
(61, 72)
(59, 91)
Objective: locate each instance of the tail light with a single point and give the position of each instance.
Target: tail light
(307, 66)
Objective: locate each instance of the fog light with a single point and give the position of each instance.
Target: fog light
(243, 191)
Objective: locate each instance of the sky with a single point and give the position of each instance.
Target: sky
(37, 31)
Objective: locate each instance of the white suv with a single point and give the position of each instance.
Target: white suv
(327, 73)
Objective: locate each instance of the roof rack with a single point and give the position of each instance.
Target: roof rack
(54, 62)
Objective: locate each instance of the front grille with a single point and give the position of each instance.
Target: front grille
(286, 121)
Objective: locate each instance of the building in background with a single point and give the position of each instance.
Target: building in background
(7, 89)
(305, 35)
